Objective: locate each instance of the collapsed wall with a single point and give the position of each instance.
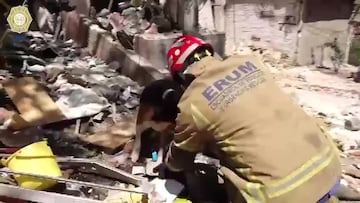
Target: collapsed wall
(307, 32)
(304, 30)
(146, 62)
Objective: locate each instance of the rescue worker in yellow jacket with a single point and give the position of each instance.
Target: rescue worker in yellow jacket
(270, 149)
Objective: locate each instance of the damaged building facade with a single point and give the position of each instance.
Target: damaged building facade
(309, 32)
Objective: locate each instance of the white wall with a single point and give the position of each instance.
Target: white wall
(243, 22)
(313, 37)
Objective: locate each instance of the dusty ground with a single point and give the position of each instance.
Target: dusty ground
(332, 98)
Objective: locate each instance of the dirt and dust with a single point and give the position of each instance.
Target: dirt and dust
(333, 100)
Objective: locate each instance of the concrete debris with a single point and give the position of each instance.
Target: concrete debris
(35, 68)
(44, 18)
(166, 190)
(333, 99)
(206, 17)
(122, 159)
(113, 137)
(77, 102)
(104, 22)
(356, 77)
(77, 84)
(153, 29)
(20, 138)
(347, 192)
(352, 124)
(75, 87)
(131, 21)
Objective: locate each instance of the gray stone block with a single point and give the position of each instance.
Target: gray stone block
(106, 47)
(217, 39)
(154, 47)
(352, 124)
(137, 67)
(188, 15)
(84, 26)
(95, 33)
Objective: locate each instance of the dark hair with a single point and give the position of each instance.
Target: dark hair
(184, 79)
(163, 96)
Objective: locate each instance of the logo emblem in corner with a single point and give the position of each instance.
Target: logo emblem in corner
(19, 19)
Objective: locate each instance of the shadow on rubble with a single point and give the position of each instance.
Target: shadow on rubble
(61, 139)
(65, 142)
(201, 185)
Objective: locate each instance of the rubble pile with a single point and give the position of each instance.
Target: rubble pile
(73, 93)
(67, 84)
(80, 87)
(333, 100)
(81, 105)
(130, 20)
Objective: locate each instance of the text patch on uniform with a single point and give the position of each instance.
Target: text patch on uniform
(224, 91)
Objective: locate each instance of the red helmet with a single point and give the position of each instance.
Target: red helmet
(182, 49)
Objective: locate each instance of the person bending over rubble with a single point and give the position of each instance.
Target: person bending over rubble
(270, 150)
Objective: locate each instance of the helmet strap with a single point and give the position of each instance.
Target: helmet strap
(196, 57)
(185, 79)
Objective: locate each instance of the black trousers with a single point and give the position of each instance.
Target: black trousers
(201, 184)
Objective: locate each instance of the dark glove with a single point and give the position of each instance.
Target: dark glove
(161, 168)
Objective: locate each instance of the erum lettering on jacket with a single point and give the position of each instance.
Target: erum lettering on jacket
(226, 90)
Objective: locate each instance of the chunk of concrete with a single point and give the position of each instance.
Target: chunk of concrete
(206, 17)
(154, 47)
(352, 124)
(135, 66)
(95, 33)
(106, 47)
(141, 70)
(43, 17)
(148, 65)
(71, 24)
(114, 136)
(83, 33)
(217, 40)
(188, 15)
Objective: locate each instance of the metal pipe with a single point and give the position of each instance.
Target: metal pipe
(105, 170)
(64, 180)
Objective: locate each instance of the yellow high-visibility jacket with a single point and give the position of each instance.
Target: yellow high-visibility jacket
(270, 149)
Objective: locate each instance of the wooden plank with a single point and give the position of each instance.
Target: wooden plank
(33, 103)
